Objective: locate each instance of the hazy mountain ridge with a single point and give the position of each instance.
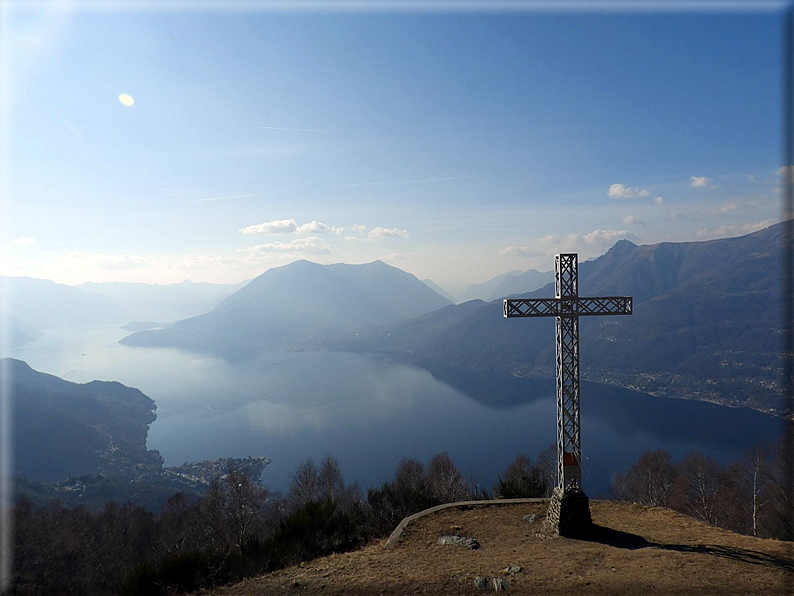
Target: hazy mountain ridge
(484, 290)
(707, 324)
(163, 302)
(18, 333)
(439, 290)
(521, 283)
(298, 303)
(44, 304)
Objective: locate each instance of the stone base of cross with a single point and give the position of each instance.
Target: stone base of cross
(567, 307)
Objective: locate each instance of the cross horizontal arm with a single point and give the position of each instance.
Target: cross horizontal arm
(568, 307)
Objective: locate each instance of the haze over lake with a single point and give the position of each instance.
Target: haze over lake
(369, 411)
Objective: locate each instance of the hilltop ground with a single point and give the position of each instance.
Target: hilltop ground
(637, 550)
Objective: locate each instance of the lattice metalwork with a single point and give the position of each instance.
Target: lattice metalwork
(567, 307)
(566, 275)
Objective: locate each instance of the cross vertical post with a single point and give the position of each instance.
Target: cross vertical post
(567, 307)
(569, 449)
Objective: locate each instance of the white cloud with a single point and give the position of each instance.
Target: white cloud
(277, 226)
(120, 262)
(359, 233)
(378, 233)
(699, 181)
(735, 230)
(203, 262)
(787, 173)
(620, 191)
(310, 245)
(732, 206)
(589, 244)
(605, 237)
(727, 207)
(632, 220)
(752, 178)
(395, 256)
(521, 251)
(23, 241)
(107, 261)
(315, 227)
(659, 201)
(289, 226)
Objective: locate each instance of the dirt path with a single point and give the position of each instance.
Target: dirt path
(638, 550)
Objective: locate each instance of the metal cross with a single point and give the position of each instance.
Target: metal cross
(567, 307)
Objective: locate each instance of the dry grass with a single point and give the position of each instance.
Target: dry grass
(638, 550)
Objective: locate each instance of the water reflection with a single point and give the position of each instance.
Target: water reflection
(370, 412)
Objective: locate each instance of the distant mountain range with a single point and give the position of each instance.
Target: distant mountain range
(484, 290)
(439, 290)
(42, 304)
(521, 283)
(297, 304)
(19, 333)
(507, 284)
(163, 302)
(707, 323)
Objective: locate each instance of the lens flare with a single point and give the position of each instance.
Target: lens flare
(126, 100)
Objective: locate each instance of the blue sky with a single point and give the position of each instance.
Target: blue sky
(454, 146)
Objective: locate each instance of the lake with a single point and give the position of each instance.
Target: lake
(369, 411)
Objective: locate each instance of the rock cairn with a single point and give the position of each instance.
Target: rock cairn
(569, 512)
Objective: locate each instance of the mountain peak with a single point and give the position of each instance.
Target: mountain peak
(622, 246)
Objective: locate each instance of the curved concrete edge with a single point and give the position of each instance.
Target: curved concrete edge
(459, 504)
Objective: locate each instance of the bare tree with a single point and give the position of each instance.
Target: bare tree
(445, 482)
(547, 464)
(521, 479)
(754, 475)
(704, 485)
(410, 475)
(649, 481)
(330, 484)
(244, 506)
(304, 484)
(781, 489)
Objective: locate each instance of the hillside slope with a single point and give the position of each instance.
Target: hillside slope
(638, 550)
(707, 323)
(64, 429)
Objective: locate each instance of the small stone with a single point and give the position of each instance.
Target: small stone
(530, 518)
(480, 582)
(512, 569)
(499, 584)
(459, 540)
